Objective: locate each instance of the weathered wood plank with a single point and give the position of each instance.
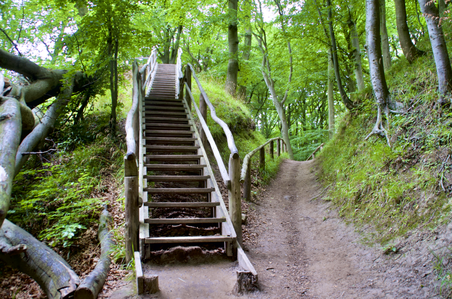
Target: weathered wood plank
(190, 239)
(182, 204)
(184, 220)
(179, 190)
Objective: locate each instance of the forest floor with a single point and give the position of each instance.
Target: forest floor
(301, 248)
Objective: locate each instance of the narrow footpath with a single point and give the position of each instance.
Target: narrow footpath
(302, 249)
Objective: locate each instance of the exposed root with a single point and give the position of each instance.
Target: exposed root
(378, 128)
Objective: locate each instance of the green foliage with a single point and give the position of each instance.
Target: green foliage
(59, 195)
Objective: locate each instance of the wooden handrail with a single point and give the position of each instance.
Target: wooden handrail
(213, 145)
(311, 156)
(246, 170)
(179, 74)
(213, 114)
(132, 134)
(247, 159)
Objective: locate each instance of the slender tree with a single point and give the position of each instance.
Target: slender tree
(233, 42)
(384, 36)
(409, 49)
(440, 54)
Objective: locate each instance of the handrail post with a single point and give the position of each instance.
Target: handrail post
(203, 109)
(247, 183)
(272, 150)
(262, 158)
(188, 80)
(131, 205)
(279, 147)
(235, 202)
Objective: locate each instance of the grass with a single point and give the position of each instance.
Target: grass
(399, 188)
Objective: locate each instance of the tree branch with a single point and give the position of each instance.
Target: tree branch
(12, 42)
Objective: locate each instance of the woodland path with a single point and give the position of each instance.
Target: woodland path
(304, 250)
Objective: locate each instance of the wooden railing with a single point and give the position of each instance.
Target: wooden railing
(312, 156)
(133, 161)
(245, 175)
(230, 178)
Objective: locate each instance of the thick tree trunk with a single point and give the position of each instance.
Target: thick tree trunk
(10, 131)
(358, 66)
(175, 49)
(443, 68)
(93, 283)
(330, 96)
(344, 96)
(409, 50)
(233, 41)
(377, 75)
(245, 57)
(21, 250)
(384, 36)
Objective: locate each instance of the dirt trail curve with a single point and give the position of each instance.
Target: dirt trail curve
(304, 250)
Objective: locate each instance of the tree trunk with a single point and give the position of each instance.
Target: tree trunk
(409, 50)
(10, 129)
(377, 75)
(175, 49)
(345, 98)
(358, 68)
(384, 36)
(21, 250)
(245, 57)
(443, 68)
(330, 96)
(42, 129)
(233, 41)
(113, 54)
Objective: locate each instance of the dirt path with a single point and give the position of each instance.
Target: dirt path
(303, 250)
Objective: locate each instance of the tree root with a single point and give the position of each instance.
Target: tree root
(378, 128)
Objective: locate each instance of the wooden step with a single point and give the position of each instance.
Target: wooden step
(165, 108)
(172, 140)
(182, 204)
(164, 120)
(169, 113)
(176, 178)
(162, 103)
(147, 100)
(160, 126)
(184, 220)
(179, 190)
(169, 132)
(172, 157)
(174, 167)
(171, 148)
(188, 239)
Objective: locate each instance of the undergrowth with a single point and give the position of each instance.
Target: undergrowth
(399, 188)
(58, 197)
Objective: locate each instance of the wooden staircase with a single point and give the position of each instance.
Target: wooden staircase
(182, 205)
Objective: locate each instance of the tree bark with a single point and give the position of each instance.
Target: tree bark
(384, 36)
(93, 283)
(233, 41)
(10, 129)
(340, 87)
(409, 50)
(443, 68)
(42, 129)
(21, 250)
(377, 75)
(330, 96)
(245, 57)
(358, 68)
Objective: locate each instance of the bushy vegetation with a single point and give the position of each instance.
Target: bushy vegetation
(399, 188)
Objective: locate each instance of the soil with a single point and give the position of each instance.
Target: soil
(300, 248)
